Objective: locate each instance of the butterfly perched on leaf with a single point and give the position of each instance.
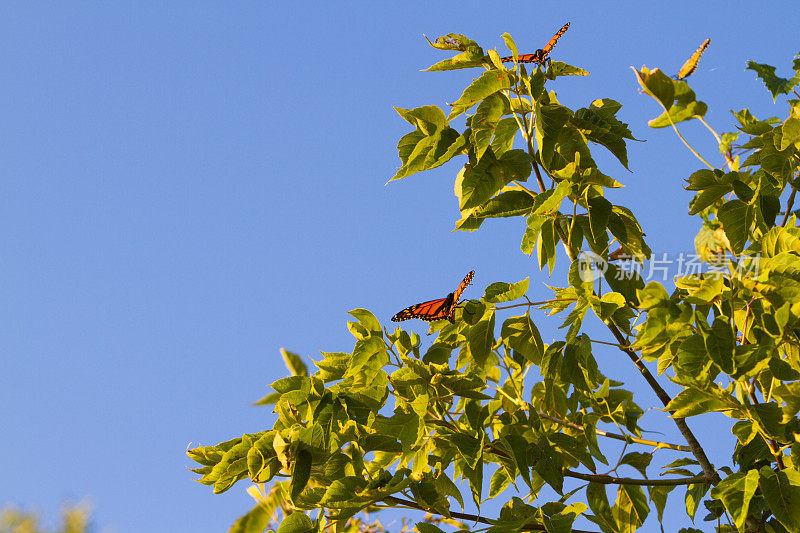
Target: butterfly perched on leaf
(691, 64)
(443, 308)
(540, 55)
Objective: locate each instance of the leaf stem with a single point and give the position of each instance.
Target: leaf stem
(726, 153)
(679, 133)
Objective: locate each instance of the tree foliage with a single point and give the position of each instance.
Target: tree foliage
(74, 519)
(397, 421)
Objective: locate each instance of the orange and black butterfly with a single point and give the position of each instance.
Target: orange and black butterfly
(539, 56)
(443, 308)
(691, 64)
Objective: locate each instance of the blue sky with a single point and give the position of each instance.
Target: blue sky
(189, 186)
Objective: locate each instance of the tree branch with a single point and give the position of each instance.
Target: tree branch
(697, 450)
(611, 480)
(469, 517)
(624, 438)
(789, 205)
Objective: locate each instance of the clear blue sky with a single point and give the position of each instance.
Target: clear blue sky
(187, 187)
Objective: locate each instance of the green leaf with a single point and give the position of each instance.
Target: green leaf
(546, 245)
(630, 509)
(475, 478)
(775, 84)
(505, 292)
(478, 183)
(255, 521)
(720, 342)
(506, 204)
(624, 226)
(523, 336)
(654, 294)
(296, 522)
(599, 211)
(294, 363)
(425, 527)
(600, 125)
(368, 325)
(737, 218)
(709, 289)
(750, 124)
(427, 119)
(446, 487)
(489, 83)
(637, 460)
(500, 480)
(709, 195)
(301, 471)
(598, 503)
(656, 84)
(480, 338)
(790, 133)
(552, 198)
(559, 68)
(510, 44)
(472, 55)
(504, 134)
(419, 151)
(686, 107)
(658, 495)
(692, 359)
(532, 229)
(692, 401)
(782, 491)
(736, 491)
(485, 120)
(694, 495)
(550, 121)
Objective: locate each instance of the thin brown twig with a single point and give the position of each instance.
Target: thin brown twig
(531, 304)
(624, 438)
(467, 516)
(611, 480)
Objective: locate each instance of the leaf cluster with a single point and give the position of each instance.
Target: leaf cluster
(396, 423)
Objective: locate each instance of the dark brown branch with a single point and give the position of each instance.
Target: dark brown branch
(697, 450)
(789, 205)
(611, 480)
(467, 516)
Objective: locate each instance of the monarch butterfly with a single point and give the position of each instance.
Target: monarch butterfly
(540, 56)
(691, 64)
(436, 309)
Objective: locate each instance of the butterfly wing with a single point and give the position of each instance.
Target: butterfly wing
(428, 311)
(539, 55)
(457, 294)
(552, 42)
(691, 64)
(523, 58)
(436, 309)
